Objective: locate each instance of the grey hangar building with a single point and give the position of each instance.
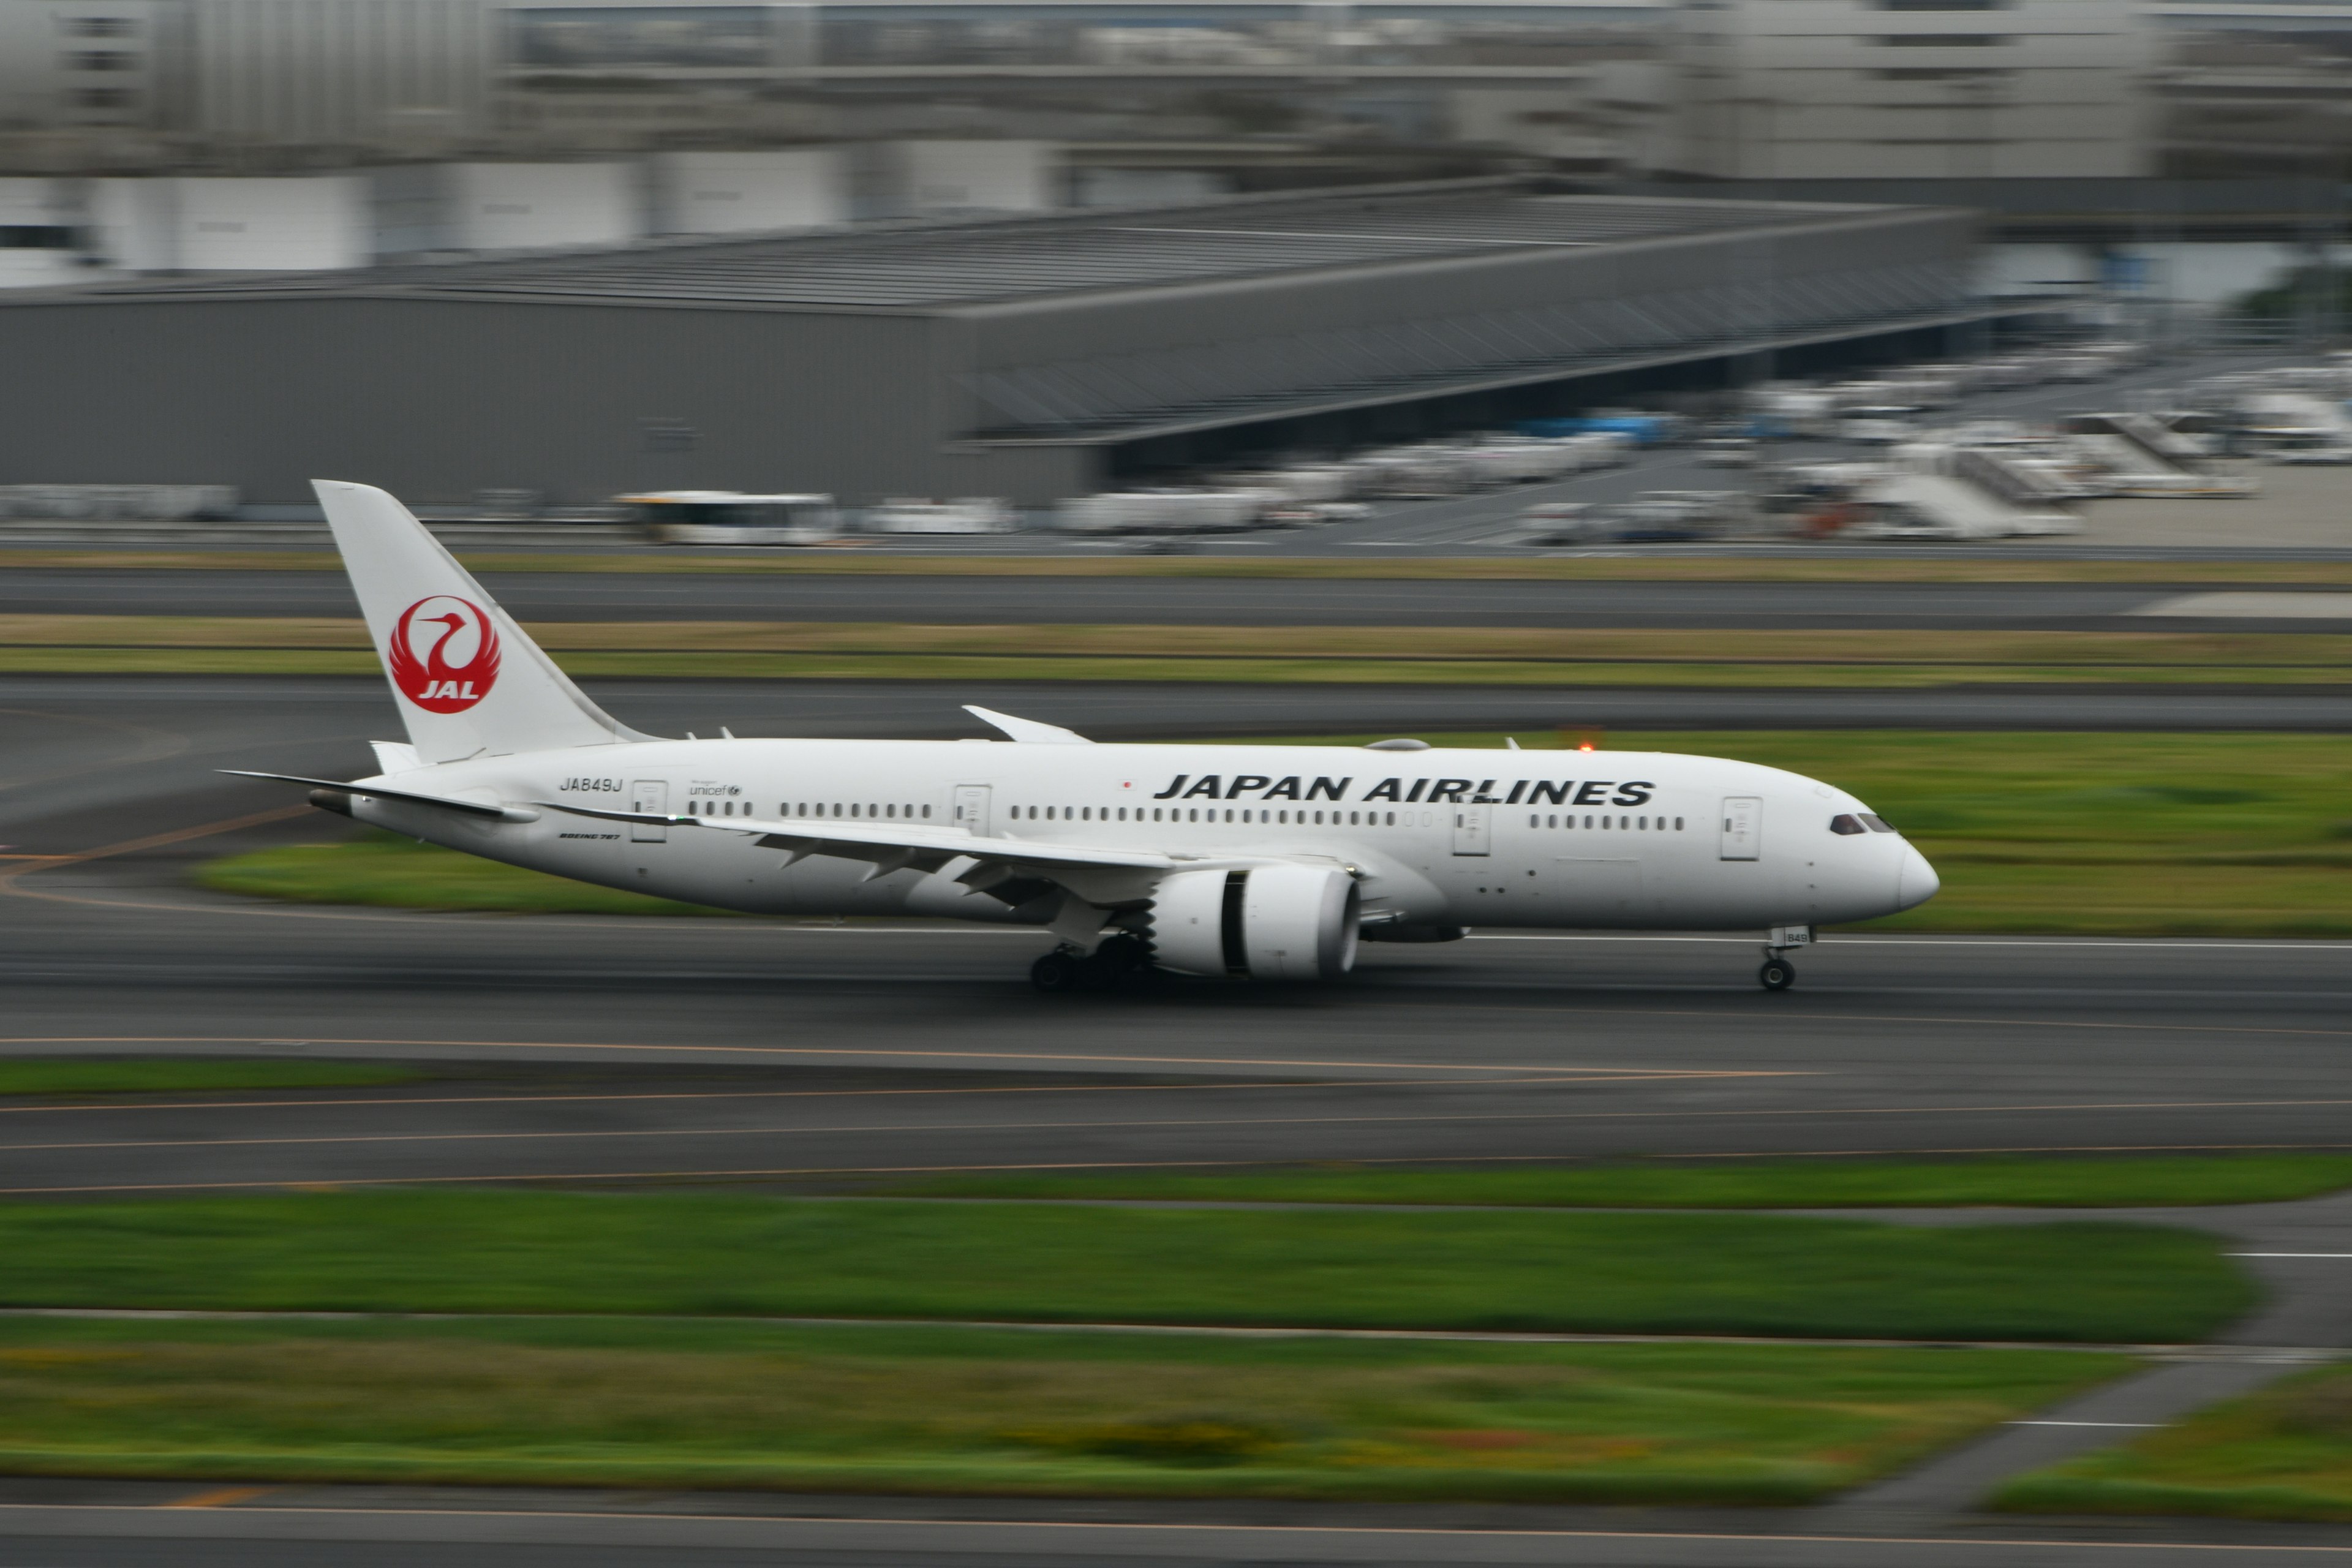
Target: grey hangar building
(1032, 357)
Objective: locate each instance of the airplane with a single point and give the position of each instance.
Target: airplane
(1247, 862)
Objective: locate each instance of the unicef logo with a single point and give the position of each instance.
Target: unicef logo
(443, 654)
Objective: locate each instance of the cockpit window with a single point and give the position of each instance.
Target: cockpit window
(1876, 823)
(1845, 822)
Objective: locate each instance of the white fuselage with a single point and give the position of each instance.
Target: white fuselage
(1434, 837)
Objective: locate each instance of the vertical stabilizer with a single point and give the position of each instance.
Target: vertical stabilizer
(467, 680)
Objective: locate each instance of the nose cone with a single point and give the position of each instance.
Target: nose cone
(1916, 882)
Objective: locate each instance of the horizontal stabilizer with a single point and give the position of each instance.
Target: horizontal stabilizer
(376, 791)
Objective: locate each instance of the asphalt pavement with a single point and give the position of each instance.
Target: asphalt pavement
(1177, 601)
(773, 1054)
(779, 1038)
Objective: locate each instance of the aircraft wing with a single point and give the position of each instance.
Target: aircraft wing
(1026, 731)
(893, 846)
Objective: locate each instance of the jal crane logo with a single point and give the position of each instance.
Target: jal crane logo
(443, 654)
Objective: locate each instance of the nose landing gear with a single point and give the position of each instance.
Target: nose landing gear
(1778, 974)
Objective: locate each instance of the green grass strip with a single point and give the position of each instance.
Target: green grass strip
(2283, 1453)
(400, 873)
(469, 1251)
(631, 1402)
(2100, 1182)
(188, 1075)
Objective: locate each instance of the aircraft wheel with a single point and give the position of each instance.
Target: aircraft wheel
(1058, 971)
(1777, 975)
(1124, 961)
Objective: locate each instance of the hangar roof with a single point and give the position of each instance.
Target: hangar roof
(936, 266)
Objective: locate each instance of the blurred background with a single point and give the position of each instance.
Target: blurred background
(906, 269)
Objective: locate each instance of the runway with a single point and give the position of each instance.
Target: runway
(1168, 601)
(773, 1055)
(769, 1051)
(350, 1527)
(796, 1054)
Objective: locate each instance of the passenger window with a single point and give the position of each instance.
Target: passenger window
(1846, 824)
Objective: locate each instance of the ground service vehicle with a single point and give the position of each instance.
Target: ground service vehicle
(728, 517)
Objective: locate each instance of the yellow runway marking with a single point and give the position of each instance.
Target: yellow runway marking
(91, 1107)
(788, 1131)
(987, 1127)
(862, 1053)
(1923, 1019)
(159, 840)
(961, 1530)
(220, 1497)
(329, 1184)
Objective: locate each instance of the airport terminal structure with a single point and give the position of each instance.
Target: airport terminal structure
(1033, 357)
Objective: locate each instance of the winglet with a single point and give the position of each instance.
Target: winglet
(1028, 731)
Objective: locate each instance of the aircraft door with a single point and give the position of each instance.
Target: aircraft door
(1470, 834)
(1743, 828)
(649, 795)
(971, 809)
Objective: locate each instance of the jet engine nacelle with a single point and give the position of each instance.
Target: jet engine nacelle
(1268, 922)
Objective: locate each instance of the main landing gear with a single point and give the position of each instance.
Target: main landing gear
(1778, 974)
(1119, 962)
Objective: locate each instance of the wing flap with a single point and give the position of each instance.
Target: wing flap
(873, 841)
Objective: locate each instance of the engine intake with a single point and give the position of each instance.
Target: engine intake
(1266, 922)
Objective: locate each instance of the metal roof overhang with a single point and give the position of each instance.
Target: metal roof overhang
(1273, 409)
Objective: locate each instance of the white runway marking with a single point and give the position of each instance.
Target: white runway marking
(2244, 605)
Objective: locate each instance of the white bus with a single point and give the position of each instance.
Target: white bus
(730, 517)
